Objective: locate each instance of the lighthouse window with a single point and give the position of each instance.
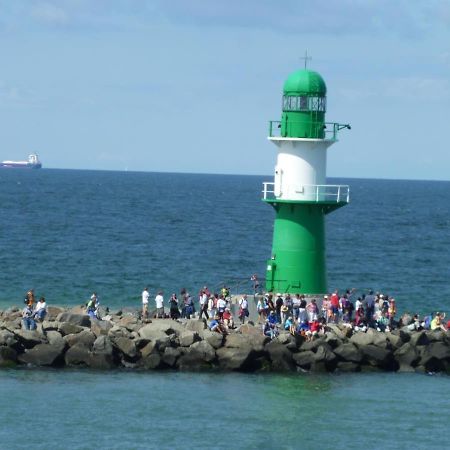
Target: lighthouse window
(303, 103)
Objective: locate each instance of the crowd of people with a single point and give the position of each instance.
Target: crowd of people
(304, 317)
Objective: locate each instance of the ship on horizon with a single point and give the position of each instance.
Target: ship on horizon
(32, 163)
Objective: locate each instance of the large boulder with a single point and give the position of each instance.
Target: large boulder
(213, 338)
(30, 338)
(280, 356)
(99, 327)
(249, 329)
(242, 358)
(187, 338)
(118, 331)
(304, 359)
(8, 357)
(407, 355)
(419, 338)
(77, 319)
(7, 338)
(324, 353)
(150, 348)
(196, 325)
(161, 339)
(103, 345)
(85, 338)
(204, 350)
(434, 356)
(379, 357)
(170, 356)
(66, 328)
(126, 346)
(348, 352)
(436, 335)
(55, 338)
(394, 340)
(53, 312)
(78, 355)
(43, 355)
(165, 326)
(152, 361)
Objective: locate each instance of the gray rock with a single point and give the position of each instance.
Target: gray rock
(312, 345)
(30, 338)
(324, 353)
(99, 327)
(7, 338)
(280, 356)
(126, 346)
(419, 338)
(213, 338)
(204, 350)
(53, 312)
(152, 361)
(150, 348)
(50, 326)
(170, 356)
(436, 335)
(43, 355)
(242, 358)
(407, 355)
(165, 326)
(159, 337)
(332, 340)
(377, 356)
(394, 339)
(341, 333)
(8, 357)
(348, 366)
(85, 338)
(304, 359)
(196, 325)
(100, 361)
(187, 338)
(119, 331)
(66, 328)
(102, 345)
(54, 338)
(77, 319)
(249, 329)
(348, 352)
(78, 355)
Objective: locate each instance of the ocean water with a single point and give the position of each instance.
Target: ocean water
(68, 233)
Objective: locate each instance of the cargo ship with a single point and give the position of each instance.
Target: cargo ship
(32, 163)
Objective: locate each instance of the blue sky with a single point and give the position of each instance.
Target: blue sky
(189, 86)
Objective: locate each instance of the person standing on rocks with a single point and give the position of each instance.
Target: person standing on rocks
(174, 312)
(243, 308)
(145, 297)
(28, 322)
(159, 300)
(203, 300)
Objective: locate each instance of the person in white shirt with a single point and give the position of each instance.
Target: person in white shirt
(145, 297)
(159, 300)
(41, 309)
(221, 305)
(243, 308)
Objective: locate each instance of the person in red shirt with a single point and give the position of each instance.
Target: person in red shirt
(334, 303)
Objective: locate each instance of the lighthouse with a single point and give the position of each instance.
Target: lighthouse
(299, 193)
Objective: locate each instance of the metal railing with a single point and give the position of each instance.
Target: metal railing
(330, 129)
(310, 192)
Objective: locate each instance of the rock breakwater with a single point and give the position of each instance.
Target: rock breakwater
(68, 338)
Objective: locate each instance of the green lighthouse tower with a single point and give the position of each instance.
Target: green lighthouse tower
(299, 193)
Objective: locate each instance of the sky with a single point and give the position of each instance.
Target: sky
(190, 86)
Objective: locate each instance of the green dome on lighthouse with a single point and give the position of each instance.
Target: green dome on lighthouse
(306, 82)
(304, 105)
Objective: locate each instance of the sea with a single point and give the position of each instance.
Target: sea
(68, 233)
